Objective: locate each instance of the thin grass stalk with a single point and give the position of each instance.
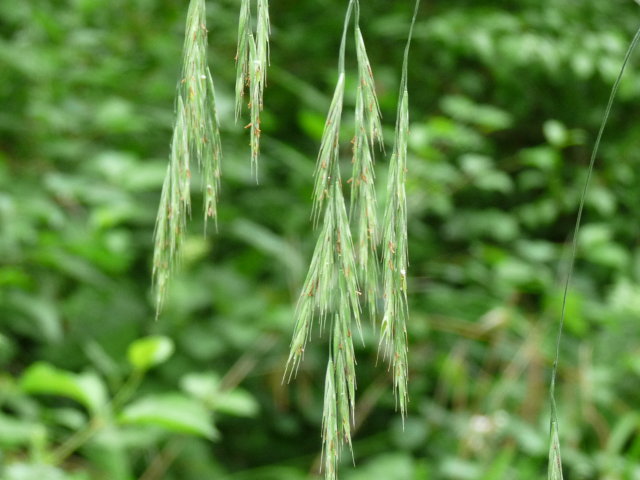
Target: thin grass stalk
(363, 209)
(555, 461)
(252, 60)
(195, 137)
(393, 334)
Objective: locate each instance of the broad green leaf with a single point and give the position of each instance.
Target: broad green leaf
(148, 352)
(556, 133)
(87, 388)
(24, 471)
(487, 117)
(205, 387)
(173, 412)
(387, 466)
(237, 402)
(18, 432)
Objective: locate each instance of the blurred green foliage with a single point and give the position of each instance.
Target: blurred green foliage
(506, 97)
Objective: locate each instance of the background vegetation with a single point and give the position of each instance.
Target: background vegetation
(506, 97)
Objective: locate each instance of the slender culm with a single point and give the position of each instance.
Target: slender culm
(395, 257)
(555, 460)
(252, 61)
(195, 137)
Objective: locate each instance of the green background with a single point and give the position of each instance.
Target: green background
(506, 98)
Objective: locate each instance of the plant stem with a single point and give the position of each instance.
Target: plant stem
(77, 440)
(553, 423)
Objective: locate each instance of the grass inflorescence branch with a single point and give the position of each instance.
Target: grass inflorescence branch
(395, 257)
(368, 133)
(252, 60)
(196, 138)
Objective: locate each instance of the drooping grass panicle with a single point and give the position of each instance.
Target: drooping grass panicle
(555, 462)
(173, 210)
(330, 291)
(196, 137)
(252, 61)
(363, 208)
(393, 334)
(198, 95)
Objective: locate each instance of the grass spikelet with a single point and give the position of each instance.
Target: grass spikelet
(213, 152)
(367, 90)
(368, 131)
(252, 60)
(339, 399)
(326, 164)
(317, 292)
(555, 461)
(255, 104)
(195, 136)
(173, 211)
(242, 54)
(393, 334)
(263, 32)
(330, 440)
